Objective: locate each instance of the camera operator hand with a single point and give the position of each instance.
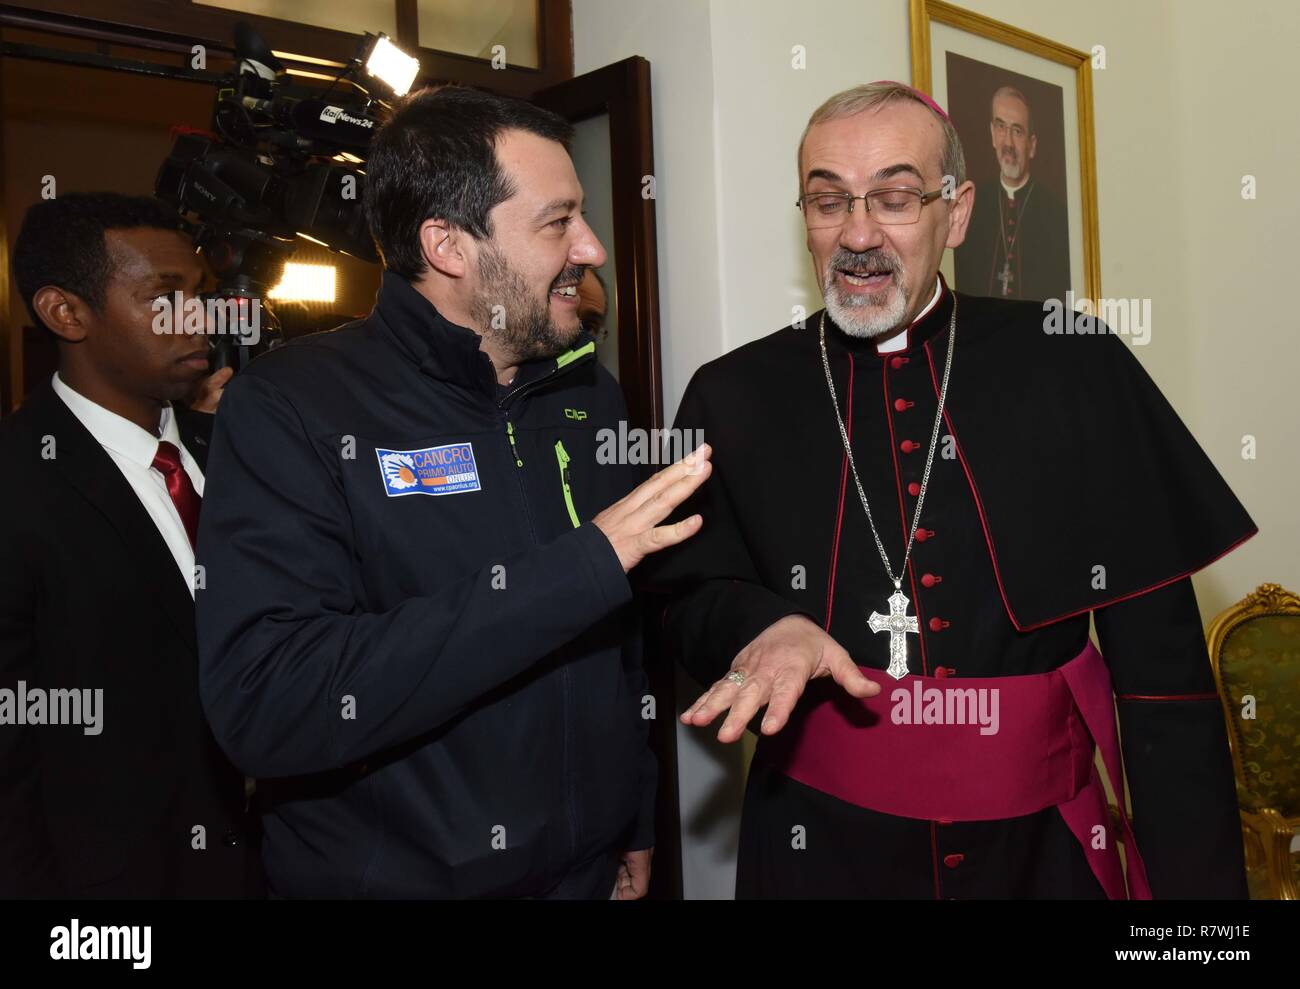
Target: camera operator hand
(210, 389)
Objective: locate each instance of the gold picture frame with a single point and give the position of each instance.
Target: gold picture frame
(924, 13)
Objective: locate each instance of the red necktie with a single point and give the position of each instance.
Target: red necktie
(167, 462)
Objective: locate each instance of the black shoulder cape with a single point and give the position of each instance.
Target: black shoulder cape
(1089, 486)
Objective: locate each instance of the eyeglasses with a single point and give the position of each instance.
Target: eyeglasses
(886, 206)
(1000, 129)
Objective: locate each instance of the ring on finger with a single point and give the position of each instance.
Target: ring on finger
(737, 677)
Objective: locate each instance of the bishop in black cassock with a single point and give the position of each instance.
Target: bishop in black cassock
(1063, 486)
(1065, 458)
(1018, 244)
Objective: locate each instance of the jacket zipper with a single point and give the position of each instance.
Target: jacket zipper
(562, 458)
(568, 775)
(510, 434)
(561, 362)
(566, 682)
(523, 490)
(566, 686)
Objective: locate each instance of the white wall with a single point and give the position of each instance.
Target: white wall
(1194, 96)
(675, 35)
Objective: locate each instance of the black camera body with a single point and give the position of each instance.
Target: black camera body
(281, 162)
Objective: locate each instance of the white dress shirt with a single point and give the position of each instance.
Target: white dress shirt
(133, 450)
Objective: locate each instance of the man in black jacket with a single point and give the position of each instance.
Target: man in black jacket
(111, 784)
(416, 629)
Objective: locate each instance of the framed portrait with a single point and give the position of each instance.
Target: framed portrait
(1022, 105)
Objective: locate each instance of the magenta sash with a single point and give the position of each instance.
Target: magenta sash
(1042, 755)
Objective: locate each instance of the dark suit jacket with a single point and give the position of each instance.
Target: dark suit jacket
(90, 597)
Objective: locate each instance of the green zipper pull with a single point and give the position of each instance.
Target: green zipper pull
(562, 458)
(510, 432)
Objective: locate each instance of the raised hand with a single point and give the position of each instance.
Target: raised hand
(631, 524)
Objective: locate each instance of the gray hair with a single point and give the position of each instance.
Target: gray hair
(1015, 94)
(853, 101)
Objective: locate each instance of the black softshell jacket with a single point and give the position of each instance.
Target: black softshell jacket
(411, 633)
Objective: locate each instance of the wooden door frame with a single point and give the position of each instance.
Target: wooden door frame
(178, 24)
(11, 347)
(622, 90)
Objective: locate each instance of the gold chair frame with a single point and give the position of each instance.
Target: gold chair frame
(1267, 833)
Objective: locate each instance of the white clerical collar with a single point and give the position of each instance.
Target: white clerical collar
(115, 432)
(1011, 193)
(899, 340)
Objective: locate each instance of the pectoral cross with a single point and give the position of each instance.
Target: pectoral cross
(1005, 276)
(897, 623)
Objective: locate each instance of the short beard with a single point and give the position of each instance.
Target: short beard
(1012, 173)
(865, 316)
(512, 317)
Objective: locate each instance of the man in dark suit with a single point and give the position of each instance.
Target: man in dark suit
(111, 784)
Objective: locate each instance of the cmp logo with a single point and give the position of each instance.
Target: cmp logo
(435, 470)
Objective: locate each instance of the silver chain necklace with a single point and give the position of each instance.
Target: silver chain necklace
(897, 622)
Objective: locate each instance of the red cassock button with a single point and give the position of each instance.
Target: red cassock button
(929, 580)
(907, 446)
(943, 672)
(952, 861)
(902, 404)
(923, 534)
(938, 624)
(914, 489)
(897, 362)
